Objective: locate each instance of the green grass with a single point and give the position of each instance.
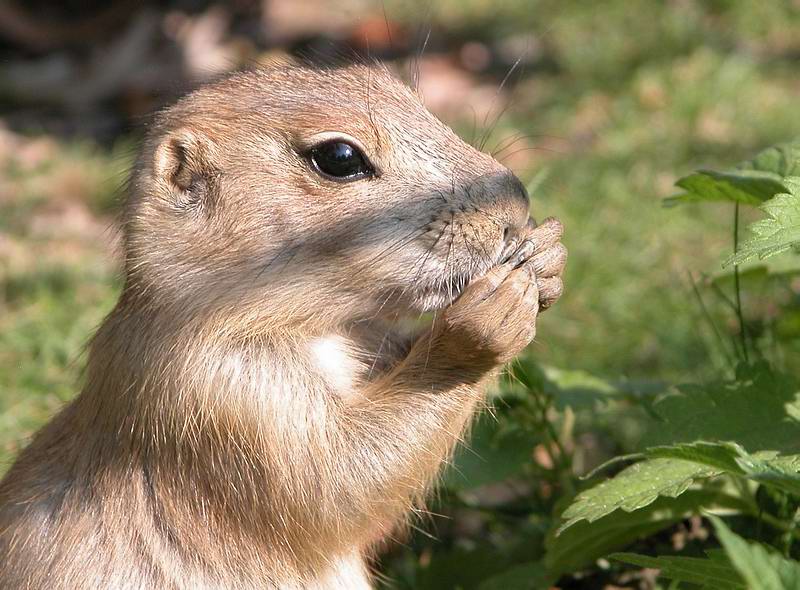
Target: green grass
(57, 275)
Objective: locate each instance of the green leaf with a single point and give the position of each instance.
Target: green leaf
(754, 275)
(764, 467)
(635, 487)
(782, 160)
(782, 473)
(748, 187)
(758, 410)
(719, 455)
(584, 542)
(526, 576)
(705, 572)
(776, 233)
(751, 182)
(491, 455)
(759, 566)
(460, 568)
(578, 389)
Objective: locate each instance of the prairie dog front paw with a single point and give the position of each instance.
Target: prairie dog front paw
(496, 314)
(548, 259)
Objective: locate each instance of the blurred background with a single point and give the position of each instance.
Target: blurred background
(598, 106)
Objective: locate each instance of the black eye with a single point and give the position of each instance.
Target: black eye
(340, 160)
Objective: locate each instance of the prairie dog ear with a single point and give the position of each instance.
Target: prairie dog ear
(184, 161)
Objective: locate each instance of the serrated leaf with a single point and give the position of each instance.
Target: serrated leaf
(760, 567)
(719, 455)
(754, 274)
(751, 182)
(584, 542)
(635, 487)
(704, 572)
(778, 232)
(764, 467)
(758, 410)
(782, 160)
(782, 473)
(748, 187)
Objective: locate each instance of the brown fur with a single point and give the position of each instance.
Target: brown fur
(252, 416)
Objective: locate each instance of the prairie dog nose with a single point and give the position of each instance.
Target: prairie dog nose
(502, 197)
(518, 216)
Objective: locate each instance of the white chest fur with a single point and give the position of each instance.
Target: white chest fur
(335, 359)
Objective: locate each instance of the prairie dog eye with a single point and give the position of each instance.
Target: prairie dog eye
(340, 160)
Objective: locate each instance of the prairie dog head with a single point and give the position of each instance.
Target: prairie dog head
(293, 193)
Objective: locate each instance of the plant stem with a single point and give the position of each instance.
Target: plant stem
(790, 535)
(737, 286)
(707, 316)
(562, 463)
(776, 523)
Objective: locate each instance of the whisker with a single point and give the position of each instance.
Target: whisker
(533, 148)
(496, 97)
(424, 256)
(399, 243)
(520, 136)
(418, 60)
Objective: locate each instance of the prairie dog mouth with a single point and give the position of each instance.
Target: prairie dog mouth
(442, 293)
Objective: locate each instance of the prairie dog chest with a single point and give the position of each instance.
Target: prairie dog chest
(335, 359)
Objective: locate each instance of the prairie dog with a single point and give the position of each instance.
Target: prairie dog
(251, 417)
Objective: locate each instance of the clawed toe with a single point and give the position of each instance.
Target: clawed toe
(550, 289)
(551, 262)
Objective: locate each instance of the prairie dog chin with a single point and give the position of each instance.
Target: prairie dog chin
(252, 416)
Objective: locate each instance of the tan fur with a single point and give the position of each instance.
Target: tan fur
(253, 416)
